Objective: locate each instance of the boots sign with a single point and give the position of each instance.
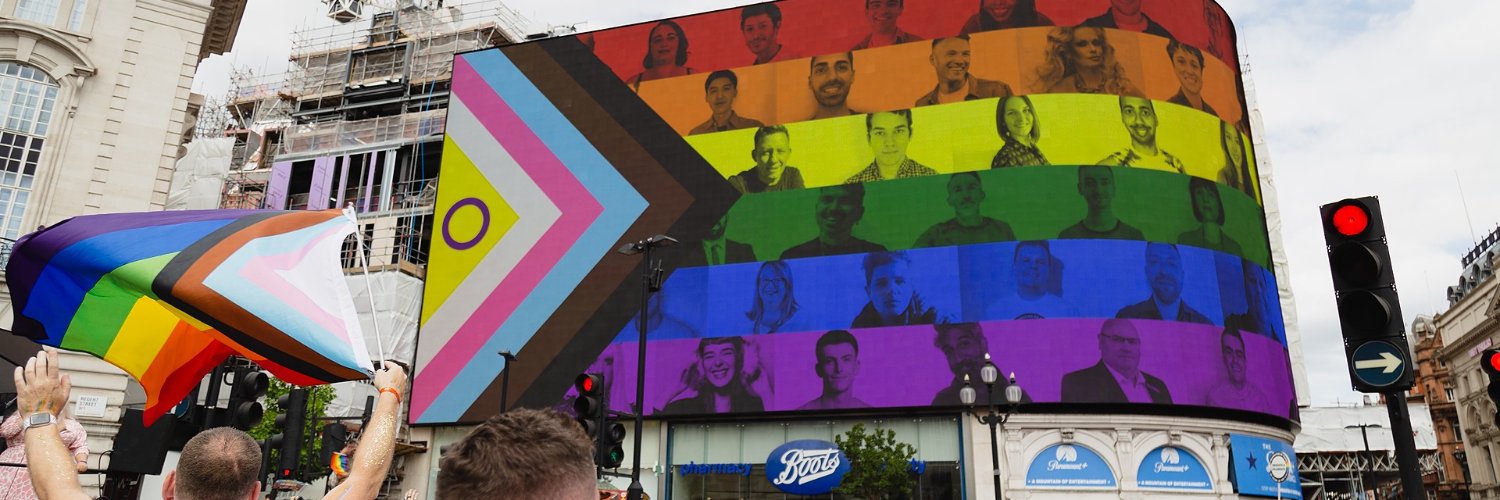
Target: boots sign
(807, 467)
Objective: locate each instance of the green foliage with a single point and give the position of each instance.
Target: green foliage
(879, 467)
(318, 398)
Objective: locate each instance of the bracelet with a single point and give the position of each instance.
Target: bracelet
(393, 391)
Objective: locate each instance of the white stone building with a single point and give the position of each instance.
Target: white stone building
(1468, 327)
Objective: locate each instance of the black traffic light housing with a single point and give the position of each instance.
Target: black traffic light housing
(611, 445)
(1490, 363)
(590, 408)
(248, 386)
(291, 420)
(1365, 288)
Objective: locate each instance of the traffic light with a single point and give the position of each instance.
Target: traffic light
(1365, 288)
(611, 445)
(1490, 362)
(591, 408)
(293, 407)
(245, 410)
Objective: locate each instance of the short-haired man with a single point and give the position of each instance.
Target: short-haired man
(721, 387)
(523, 453)
(1096, 185)
(884, 16)
(216, 464)
(838, 209)
(1127, 15)
(964, 346)
(1117, 377)
(1187, 63)
(716, 248)
(950, 59)
(969, 225)
(1164, 274)
(838, 364)
(772, 171)
(893, 300)
(1262, 313)
(830, 77)
(1139, 116)
(889, 133)
(720, 90)
(1236, 391)
(761, 25)
(1034, 297)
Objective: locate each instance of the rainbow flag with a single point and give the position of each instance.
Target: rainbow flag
(166, 296)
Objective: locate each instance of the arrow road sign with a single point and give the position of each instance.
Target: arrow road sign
(1379, 363)
(1388, 363)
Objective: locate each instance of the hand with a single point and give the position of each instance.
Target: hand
(392, 376)
(39, 388)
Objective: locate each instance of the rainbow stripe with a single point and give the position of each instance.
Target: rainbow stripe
(166, 296)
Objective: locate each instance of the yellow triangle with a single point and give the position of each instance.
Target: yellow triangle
(448, 266)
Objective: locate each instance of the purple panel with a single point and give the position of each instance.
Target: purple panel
(281, 177)
(322, 176)
(343, 182)
(369, 181)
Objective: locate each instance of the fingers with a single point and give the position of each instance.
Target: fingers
(67, 386)
(31, 370)
(20, 379)
(51, 365)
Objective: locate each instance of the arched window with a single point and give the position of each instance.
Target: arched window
(27, 96)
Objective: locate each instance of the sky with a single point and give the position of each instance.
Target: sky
(1392, 98)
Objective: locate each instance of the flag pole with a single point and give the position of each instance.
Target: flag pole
(359, 238)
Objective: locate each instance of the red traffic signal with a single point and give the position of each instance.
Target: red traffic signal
(588, 384)
(1490, 361)
(1351, 218)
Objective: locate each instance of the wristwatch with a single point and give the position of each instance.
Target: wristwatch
(38, 419)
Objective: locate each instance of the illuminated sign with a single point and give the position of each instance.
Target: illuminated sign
(1069, 466)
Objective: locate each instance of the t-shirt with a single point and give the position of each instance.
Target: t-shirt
(950, 232)
(1012, 306)
(1122, 231)
(1226, 395)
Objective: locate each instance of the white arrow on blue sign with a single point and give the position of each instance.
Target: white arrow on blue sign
(1379, 363)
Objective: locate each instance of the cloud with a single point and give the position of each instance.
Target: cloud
(1387, 98)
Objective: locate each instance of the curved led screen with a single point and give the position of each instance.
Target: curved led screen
(870, 197)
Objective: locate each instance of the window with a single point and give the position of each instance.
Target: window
(26, 99)
(1448, 392)
(75, 20)
(41, 11)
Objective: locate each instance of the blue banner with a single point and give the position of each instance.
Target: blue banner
(1069, 466)
(807, 467)
(1251, 457)
(1172, 468)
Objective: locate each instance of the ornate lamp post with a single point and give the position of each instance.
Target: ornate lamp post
(989, 374)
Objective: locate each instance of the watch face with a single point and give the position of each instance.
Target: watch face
(39, 418)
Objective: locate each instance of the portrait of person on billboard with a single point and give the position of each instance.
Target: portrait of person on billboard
(761, 25)
(884, 17)
(1080, 60)
(894, 299)
(1164, 276)
(964, 346)
(830, 77)
(772, 171)
(969, 225)
(774, 306)
(716, 248)
(719, 91)
(1187, 65)
(950, 60)
(1235, 390)
(1127, 15)
(1096, 184)
(1138, 114)
(1004, 14)
(666, 54)
(837, 365)
(1262, 312)
(1208, 210)
(1019, 127)
(1236, 170)
(1038, 286)
(836, 212)
(889, 134)
(1117, 377)
(716, 383)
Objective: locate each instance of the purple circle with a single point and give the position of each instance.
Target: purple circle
(484, 227)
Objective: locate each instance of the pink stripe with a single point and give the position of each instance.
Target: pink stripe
(261, 271)
(578, 209)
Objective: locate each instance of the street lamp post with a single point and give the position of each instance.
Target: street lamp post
(505, 380)
(1369, 457)
(989, 374)
(651, 277)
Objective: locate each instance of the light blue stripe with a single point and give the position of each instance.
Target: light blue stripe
(621, 206)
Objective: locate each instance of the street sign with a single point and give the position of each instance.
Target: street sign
(1280, 467)
(1379, 363)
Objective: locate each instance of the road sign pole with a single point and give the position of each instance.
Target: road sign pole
(1406, 447)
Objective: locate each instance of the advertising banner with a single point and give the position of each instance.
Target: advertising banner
(1172, 468)
(1069, 466)
(1251, 460)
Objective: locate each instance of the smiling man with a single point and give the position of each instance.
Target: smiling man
(761, 25)
(1164, 274)
(889, 133)
(838, 365)
(836, 212)
(893, 297)
(1127, 15)
(830, 78)
(1117, 377)
(1187, 64)
(1138, 115)
(719, 91)
(1236, 391)
(968, 226)
(772, 152)
(950, 59)
(883, 16)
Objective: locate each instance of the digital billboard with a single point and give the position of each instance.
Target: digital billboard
(870, 197)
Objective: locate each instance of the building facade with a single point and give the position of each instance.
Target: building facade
(1466, 328)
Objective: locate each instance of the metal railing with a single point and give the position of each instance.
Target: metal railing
(6, 244)
(351, 134)
(392, 242)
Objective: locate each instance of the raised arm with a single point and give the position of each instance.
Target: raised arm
(41, 390)
(377, 443)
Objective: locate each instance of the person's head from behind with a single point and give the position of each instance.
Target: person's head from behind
(1015, 118)
(1208, 208)
(1187, 63)
(217, 464)
(1032, 266)
(838, 361)
(522, 453)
